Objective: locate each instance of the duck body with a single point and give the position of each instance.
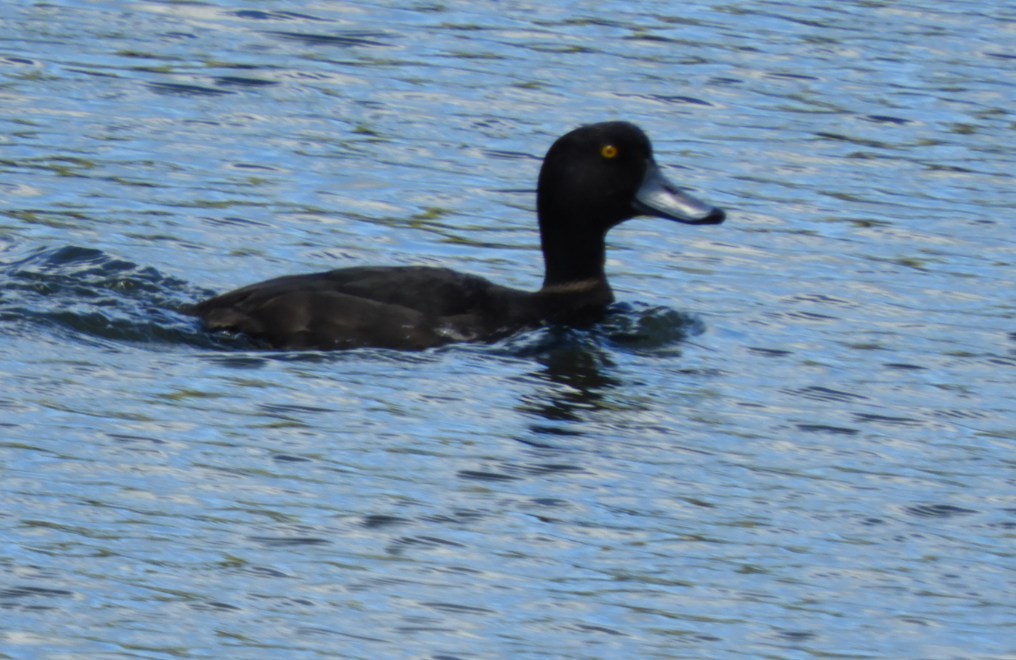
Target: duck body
(592, 179)
(407, 307)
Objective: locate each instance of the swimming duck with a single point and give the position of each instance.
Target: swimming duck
(592, 179)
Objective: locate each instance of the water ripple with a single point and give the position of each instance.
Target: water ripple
(792, 436)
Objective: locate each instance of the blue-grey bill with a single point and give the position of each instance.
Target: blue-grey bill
(658, 196)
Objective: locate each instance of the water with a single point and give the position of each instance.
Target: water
(792, 438)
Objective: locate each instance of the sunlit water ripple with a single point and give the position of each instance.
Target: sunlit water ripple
(791, 438)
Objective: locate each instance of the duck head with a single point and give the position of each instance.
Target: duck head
(594, 178)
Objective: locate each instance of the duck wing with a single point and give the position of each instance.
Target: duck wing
(390, 307)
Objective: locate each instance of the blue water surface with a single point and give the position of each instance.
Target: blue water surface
(792, 437)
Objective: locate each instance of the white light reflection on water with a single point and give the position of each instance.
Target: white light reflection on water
(793, 439)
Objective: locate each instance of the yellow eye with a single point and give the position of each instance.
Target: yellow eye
(609, 151)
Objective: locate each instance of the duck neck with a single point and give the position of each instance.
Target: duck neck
(574, 258)
(575, 301)
(575, 288)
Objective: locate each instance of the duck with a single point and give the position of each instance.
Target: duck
(592, 179)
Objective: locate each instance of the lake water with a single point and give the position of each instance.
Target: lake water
(792, 438)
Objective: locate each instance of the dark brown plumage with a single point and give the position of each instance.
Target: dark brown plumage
(592, 179)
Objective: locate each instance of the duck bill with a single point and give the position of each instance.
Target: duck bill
(658, 196)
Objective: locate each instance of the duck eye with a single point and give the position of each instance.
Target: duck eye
(609, 151)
